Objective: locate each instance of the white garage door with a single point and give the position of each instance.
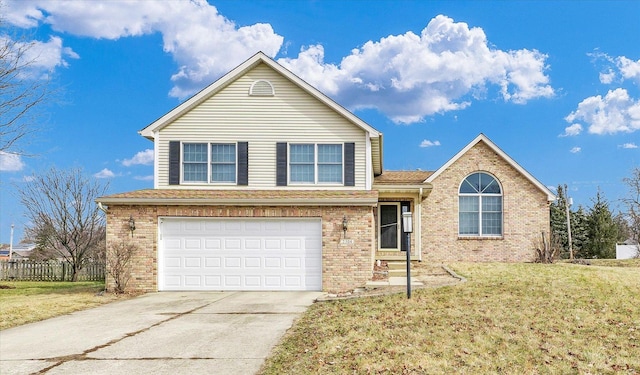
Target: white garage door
(240, 254)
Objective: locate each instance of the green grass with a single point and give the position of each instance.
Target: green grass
(30, 301)
(507, 318)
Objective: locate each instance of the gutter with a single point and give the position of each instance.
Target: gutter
(239, 202)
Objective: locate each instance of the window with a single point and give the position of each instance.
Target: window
(223, 162)
(194, 162)
(220, 156)
(480, 206)
(311, 163)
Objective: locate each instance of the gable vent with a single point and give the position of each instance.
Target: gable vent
(261, 88)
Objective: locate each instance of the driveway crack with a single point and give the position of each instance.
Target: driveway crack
(83, 356)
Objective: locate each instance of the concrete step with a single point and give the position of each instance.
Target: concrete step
(397, 265)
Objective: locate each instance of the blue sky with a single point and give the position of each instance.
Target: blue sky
(555, 84)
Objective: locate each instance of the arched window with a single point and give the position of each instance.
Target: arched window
(480, 206)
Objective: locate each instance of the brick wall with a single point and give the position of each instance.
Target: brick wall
(525, 213)
(344, 266)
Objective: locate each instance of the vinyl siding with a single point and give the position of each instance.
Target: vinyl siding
(232, 115)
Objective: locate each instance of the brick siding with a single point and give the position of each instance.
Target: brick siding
(344, 267)
(525, 213)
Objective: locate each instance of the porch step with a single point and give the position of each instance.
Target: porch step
(397, 269)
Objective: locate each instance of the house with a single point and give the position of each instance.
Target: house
(262, 182)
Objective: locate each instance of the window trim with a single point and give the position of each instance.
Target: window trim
(316, 164)
(479, 195)
(209, 163)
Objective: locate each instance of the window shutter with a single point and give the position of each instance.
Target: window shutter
(174, 163)
(349, 164)
(281, 164)
(243, 163)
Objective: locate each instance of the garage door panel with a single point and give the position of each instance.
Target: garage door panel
(232, 262)
(212, 243)
(212, 262)
(252, 262)
(192, 262)
(213, 281)
(240, 254)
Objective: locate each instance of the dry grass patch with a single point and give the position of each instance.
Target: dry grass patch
(24, 302)
(507, 318)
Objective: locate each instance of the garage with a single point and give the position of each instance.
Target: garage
(239, 254)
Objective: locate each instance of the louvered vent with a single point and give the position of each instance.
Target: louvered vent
(261, 88)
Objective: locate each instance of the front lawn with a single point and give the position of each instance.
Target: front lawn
(507, 318)
(24, 302)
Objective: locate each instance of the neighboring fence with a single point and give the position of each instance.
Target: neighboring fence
(29, 270)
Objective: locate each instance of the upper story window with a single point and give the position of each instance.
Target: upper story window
(221, 157)
(315, 163)
(480, 206)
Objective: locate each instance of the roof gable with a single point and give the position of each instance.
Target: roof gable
(258, 58)
(483, 138)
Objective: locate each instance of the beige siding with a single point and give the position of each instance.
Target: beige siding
(232, 115)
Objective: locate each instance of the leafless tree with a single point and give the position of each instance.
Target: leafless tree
(21, 94)
(119, 263)
(632, 201)
(64, 217)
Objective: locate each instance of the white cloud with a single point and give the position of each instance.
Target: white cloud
(409, 76)
(105, 173)
(614, 113)
(607, 77)
(10, 162)
(40, 58)
(575, 150)
(628, 145)
(203, 43)
(629, 69)
(614, 66)
(141, 158)
(428, 143)
(572, 130)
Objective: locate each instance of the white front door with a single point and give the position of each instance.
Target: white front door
(240, 254)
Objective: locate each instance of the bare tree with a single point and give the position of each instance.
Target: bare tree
(119, 263)
(632, 201)
(20, 93)
(64, 218)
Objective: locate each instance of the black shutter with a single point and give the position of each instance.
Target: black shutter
(174, 163)
(243, 163)
(281, 164)
(349, 164)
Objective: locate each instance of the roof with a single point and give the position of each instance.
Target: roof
(401, 177)
(244, 197)
(260, 58)
(483, 138)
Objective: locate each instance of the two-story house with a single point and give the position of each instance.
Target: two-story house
(262, 182)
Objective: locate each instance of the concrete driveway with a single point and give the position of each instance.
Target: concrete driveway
(158, 333)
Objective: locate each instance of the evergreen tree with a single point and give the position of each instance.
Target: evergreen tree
(559, 222)
(602, 230)
(579, 231)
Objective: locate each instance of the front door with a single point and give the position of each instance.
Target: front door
(389, 229)
(390, 234)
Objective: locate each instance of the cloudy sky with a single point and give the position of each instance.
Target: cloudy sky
(555, 84)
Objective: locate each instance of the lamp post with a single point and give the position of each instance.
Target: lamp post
(407, 227)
